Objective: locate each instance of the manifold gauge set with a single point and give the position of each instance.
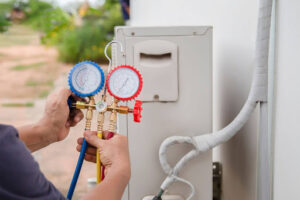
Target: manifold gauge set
(86, 80)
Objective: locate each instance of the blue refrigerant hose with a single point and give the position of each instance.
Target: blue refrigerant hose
(80, 159)
(77, 170)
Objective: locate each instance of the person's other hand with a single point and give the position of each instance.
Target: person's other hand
(114, 153)
(57, 120)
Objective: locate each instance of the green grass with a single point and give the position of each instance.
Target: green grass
(33, 83)
(25, 67)
(44, 94)
(27, 104)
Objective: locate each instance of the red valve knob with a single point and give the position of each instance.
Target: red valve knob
(137, 110)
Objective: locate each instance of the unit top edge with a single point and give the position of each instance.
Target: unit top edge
(162, 30)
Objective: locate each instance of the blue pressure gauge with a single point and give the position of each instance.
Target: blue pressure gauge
(86, 79)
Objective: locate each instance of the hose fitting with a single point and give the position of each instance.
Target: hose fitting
(158, 196)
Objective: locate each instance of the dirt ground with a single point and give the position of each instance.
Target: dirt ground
(29, 71)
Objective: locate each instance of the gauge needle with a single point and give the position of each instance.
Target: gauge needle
(86, 77)
(123, 84)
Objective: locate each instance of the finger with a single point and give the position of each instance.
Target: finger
(77, 98)
(89, 150)
(64, 94)
(56, 91)
(90, 133)
(71, 122)
(78, 147)
(108, 134)
(90, 158)
(80, 140)
(73, 113)
(92, 139)
(77, 117)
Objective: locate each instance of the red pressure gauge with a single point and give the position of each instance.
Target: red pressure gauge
(124, 82)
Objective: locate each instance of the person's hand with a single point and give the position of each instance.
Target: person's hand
(57, 120)
(114, 153)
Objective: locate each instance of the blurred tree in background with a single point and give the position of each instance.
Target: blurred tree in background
(74, 42)
(49, 20)
(87, 42)
(4, 23)
(5, 9)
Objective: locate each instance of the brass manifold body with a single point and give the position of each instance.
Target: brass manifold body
(113, 108)
(119, 109)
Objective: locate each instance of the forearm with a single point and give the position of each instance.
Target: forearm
(112, 187)
(33, 137)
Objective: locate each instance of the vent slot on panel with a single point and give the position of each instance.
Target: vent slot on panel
(153, 60)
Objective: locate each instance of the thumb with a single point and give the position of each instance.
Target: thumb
(92, 139)
(64, 93)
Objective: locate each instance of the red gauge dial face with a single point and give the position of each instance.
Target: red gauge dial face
(124, 82)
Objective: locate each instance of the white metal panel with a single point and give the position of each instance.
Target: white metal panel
(191, 114)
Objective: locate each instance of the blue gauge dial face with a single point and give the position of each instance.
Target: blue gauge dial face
(86, 79)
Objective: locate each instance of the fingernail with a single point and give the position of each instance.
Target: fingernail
(86, 134)
(77, 119)
(110, 135)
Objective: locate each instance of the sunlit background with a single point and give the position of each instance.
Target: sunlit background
(39, 43)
